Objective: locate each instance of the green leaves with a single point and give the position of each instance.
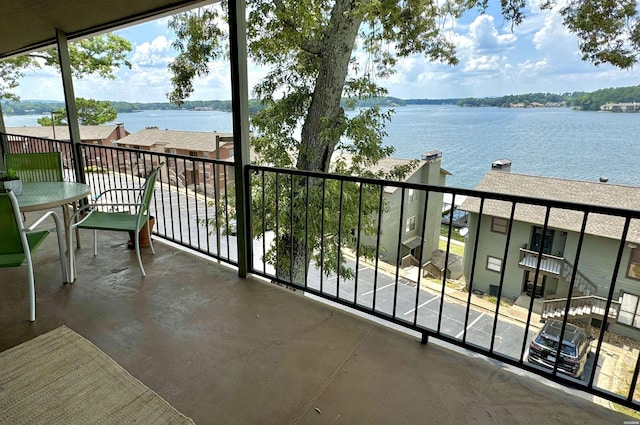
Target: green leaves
(100, 55)
(198, 42)
(608, 30)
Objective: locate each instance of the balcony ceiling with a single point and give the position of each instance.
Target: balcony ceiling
(28, 25)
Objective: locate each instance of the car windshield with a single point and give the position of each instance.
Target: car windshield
(567, 350)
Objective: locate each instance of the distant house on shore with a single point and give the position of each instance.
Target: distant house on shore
(558, 247)
(621, 107)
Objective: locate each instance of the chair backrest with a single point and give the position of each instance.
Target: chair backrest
(11, 226)
(36, 167)
(149, 187)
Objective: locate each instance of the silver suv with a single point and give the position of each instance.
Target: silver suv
(573, 354)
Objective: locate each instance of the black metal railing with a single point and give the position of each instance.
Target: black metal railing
(346, 239)
(308, 228)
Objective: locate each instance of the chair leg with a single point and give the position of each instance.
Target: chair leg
(63, 260)
(32, 293)
(75, 209)
(153, 251)
(137, 239)
(95, 243)
(72, 270)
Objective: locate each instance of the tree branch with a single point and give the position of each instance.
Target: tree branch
(312, 47)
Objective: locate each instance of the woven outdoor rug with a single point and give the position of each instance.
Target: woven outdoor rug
(61, 378)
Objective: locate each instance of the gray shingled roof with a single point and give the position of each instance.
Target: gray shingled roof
(387, 165)
(87, 132)
(583, 192)
(174, 139)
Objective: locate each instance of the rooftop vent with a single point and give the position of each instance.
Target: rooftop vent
(503, 164)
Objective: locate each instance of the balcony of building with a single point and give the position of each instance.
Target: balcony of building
(222, 349)
(216, 336)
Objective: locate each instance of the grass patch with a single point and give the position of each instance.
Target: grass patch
(455, 233)
(454, 248)
(494, 300)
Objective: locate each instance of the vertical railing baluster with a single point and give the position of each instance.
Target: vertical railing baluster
(264, 226)
(324, 191)
(356, 277)
(422, 234)
(377, 261)
(291, 229)
(473, 265)
(507, 244)
(278, 239)
(339, 249)
(401, 227)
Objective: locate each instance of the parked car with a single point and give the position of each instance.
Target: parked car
(573, 354)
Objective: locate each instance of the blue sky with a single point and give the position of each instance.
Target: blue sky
(538, 56)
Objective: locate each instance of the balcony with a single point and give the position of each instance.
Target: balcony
(557, 267)
(203, 320)
(221, 349)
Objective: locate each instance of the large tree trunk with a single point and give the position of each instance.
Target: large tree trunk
(325, 122)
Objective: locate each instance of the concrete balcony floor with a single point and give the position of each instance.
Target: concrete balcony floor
(225, 350)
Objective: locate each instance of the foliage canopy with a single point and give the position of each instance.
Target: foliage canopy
(318, 51)
(99, 55)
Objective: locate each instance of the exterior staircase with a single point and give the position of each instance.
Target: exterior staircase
(580, 308)
(586, 303)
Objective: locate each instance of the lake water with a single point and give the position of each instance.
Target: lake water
(555, 142)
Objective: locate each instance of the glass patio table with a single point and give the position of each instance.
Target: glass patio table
(38, 196)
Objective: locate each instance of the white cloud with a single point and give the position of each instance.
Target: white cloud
(156, 53)
(538, 56)
(485, 37)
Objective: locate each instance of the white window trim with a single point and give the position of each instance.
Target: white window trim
(494, 264)
(628, 317)
(410, 225)
(493, 225)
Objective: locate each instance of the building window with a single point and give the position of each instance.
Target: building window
(630, 311)
(499, 225)
(193, 153)
(411, 224)
(412, 195)
(494, 264)
(634, 264)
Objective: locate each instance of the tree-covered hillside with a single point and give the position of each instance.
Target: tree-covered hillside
(588, 101)
(506, 101)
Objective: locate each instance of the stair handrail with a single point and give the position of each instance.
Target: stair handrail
(592, 301)
(582, 282)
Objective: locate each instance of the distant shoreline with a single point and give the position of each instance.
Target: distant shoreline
(593, 101)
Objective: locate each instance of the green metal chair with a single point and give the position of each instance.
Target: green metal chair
(108, 215)
(40, 167)
(36, 167)
(17, 242)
